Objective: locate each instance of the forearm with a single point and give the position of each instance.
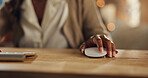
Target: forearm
(92, 21)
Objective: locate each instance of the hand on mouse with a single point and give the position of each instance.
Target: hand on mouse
(101, 42)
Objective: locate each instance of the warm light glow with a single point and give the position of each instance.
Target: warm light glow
(111, 26)
(134, 12)
(100, 3)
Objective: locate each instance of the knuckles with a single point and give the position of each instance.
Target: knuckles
(108, 41)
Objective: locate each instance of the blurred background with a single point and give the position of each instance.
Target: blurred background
(1, 1)
(127, 20)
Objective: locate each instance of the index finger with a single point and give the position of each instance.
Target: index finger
(98, 41)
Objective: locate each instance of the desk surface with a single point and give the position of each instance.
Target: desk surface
(71, 63)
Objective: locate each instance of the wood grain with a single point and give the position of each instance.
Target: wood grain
(66, 63)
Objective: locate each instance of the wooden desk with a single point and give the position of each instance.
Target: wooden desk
(70, 63)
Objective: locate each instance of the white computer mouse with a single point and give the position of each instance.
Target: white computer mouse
(93, 52)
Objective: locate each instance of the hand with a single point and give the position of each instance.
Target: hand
(101, 42)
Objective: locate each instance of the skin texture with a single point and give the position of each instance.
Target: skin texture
(39, 6)
(101, 42)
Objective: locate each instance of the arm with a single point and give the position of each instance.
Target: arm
(92, 21)
(93, 26)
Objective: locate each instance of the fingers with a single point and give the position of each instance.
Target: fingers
(110, 47)
(83, 47)
(98, 41)
(101, 42)
(113, 50)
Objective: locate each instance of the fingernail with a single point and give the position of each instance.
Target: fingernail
(116, 52)
(101, 49)
(110, 54)
(83, 50)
